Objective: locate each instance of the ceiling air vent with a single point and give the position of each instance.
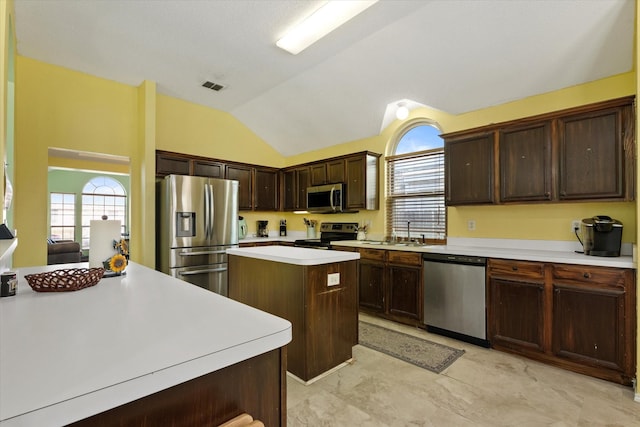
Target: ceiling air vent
(213, 86)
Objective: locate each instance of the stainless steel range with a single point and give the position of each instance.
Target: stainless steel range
(330, 231)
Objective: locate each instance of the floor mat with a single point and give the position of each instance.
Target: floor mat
(418, 351)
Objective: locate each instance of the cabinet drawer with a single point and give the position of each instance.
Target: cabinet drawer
(590, 274)
(532, 270)
(407, 258)
(376, 254)
(344, 248)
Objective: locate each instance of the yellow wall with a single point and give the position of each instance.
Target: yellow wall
(193, 129)
(7, 44)
(76, 111)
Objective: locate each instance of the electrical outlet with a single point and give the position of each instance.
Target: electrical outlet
(575, 225)
(333, 279)
(471, 225)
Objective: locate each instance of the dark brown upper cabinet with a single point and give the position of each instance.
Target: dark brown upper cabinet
(318, 174)
(269, 189)
(469, 169)
(244, 176)
(172, 164)
(525, 162)
(265, 194)
(327, 172)
(294, 188)
(359, 173)
(209, 169)
(592, 154)
(303, 181)
(289, 190)
(582, 153)
(335, 171)
(361, 180)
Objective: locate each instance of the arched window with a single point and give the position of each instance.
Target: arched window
(415, 185)
(102, 195)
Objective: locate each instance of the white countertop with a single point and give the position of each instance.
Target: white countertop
(65, 356)
(524, 250)
(294, 255)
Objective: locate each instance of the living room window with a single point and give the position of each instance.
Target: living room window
(415, 185)
(102, 196)
(63, 216)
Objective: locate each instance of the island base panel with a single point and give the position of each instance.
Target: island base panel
(324, 318)
(256, 386)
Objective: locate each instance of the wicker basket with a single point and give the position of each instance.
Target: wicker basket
(72, 279)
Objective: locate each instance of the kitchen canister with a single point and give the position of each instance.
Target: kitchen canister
(311, 232)
(8, 284)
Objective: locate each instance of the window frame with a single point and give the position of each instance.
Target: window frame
(112, 210)
(420, 197)
(63, 227)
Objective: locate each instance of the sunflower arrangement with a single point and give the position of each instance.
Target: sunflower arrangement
(117, 263)
(122, 246)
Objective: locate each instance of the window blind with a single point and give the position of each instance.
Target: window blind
(415, 195)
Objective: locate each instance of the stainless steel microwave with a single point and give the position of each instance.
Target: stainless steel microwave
(326, 198)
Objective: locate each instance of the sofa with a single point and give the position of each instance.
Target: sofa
(63, 252)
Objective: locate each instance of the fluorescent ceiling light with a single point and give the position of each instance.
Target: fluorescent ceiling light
(324, 20)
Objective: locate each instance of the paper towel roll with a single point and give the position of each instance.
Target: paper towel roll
(103, 233)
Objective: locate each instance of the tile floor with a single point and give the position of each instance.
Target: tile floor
(482, 388)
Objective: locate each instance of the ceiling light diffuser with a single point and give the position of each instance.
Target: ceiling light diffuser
(324, 20)
(402, 112)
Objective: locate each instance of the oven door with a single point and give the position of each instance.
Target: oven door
(312, 244)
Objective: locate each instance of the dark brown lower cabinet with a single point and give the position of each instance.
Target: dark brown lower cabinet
(371, 285)
(405, 291)
(391, 285)
(580, 318)
(516, 320)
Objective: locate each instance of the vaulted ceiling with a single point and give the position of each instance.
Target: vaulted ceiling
(456, 56)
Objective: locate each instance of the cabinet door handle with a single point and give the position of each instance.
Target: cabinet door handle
(587, 275)
(514, 267)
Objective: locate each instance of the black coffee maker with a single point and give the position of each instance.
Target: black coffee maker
(601, 236)
(261, 226)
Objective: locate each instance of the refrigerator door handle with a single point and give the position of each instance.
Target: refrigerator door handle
(202, 253)
(212, 211)
(207, 215)
(208, 270)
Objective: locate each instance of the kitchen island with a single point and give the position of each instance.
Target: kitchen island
(138, 349)
(316, 290)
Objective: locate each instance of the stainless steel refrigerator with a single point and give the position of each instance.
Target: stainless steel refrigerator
(197, 222)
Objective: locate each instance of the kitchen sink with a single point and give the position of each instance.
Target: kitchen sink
(408, 244)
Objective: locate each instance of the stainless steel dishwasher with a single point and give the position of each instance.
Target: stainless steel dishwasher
(454, 297)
